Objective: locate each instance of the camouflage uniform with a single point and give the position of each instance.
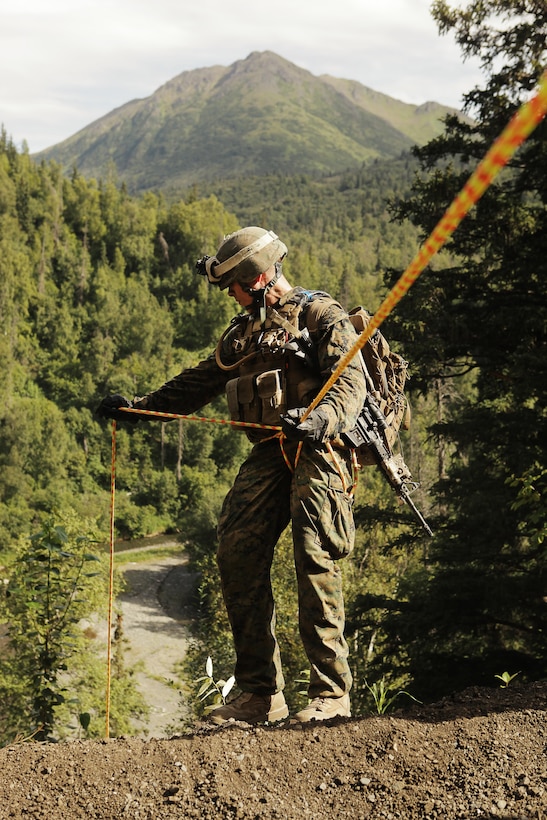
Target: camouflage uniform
(308, 486)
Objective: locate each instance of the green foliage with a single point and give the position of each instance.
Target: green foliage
(96, 301)
(338, 226)
(54, 582)
(53, 666)
(529, 503)
(506, 678)
(383, 697)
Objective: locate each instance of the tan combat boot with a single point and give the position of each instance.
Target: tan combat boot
(324, 709)
(252, 708)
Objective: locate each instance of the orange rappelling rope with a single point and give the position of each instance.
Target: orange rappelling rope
(161, 415)
(111, 580)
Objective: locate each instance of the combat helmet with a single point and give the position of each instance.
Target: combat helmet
(242, 257)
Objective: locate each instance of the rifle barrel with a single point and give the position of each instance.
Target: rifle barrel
(417, 514)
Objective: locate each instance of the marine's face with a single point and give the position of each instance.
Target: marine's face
(241, 296)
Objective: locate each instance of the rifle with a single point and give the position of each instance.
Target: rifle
(368, 433)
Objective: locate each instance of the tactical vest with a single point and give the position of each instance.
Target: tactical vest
(275, 372)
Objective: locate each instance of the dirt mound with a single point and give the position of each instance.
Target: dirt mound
(480, 754)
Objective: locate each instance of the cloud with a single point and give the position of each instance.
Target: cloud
(70, 62)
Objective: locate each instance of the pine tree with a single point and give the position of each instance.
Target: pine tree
(477, 606)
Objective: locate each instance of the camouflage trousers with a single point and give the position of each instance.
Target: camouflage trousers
(265, 496)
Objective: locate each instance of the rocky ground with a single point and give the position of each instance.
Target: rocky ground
(479, 754)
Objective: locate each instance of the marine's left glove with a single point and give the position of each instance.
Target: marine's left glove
(314, 427)
(109, 408)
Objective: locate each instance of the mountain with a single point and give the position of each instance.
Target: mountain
(258, 116)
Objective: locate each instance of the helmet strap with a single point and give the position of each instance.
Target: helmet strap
(259, 296)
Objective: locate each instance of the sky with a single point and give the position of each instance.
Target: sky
(66, 63)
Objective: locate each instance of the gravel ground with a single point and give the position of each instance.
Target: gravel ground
(482, 754)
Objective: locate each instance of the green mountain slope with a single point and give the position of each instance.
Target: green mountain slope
(421, 123)
(258, 116)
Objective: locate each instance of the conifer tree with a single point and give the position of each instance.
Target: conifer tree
(477, 608)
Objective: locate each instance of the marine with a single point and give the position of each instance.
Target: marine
(271, 362)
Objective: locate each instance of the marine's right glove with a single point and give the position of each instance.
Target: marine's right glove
(314, 427)
(109, 408)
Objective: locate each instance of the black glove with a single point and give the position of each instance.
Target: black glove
(314, 427)
(109, 409)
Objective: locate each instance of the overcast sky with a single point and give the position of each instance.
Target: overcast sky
(65, 63)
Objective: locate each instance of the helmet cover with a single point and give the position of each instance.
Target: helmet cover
(243, 256)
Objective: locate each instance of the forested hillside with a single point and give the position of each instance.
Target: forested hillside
(98, 295)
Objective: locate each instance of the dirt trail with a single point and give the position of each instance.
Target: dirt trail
(156, 610)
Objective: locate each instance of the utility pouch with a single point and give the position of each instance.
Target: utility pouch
(270, 391)
(231, 397)
(257, 398)
(240, 393)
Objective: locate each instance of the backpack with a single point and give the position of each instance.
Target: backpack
(386, 373)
